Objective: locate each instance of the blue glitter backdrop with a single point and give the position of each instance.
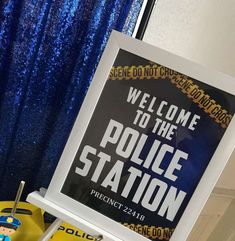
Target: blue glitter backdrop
(49, 50)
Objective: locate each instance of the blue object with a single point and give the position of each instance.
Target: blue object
(10, 220)
(4, 238)
(49, 50)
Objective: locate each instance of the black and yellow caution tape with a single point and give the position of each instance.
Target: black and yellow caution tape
(151, 232)
(182, 82)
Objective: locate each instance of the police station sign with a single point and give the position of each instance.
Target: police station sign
(149, 132)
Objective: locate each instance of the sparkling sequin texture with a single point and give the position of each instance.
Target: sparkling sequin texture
(49, 50)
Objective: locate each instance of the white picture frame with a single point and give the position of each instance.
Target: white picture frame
(216, 165)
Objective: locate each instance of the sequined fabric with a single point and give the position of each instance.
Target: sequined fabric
(49, 50)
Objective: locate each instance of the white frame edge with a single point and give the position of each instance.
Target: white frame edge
(144, 4)
(208, 180)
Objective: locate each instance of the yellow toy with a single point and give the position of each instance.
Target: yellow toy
(8, 226)
(23, 217)
(31, 218)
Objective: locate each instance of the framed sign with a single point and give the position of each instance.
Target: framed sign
(152, 137)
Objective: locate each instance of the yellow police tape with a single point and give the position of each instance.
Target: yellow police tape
(151, 232)
(182, 82)
(71, 233)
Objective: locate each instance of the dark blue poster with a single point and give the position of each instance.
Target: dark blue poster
(147, 145)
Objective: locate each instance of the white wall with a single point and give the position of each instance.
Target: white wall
(201, 30)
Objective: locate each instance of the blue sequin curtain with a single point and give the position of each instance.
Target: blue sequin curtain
(49, 50)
